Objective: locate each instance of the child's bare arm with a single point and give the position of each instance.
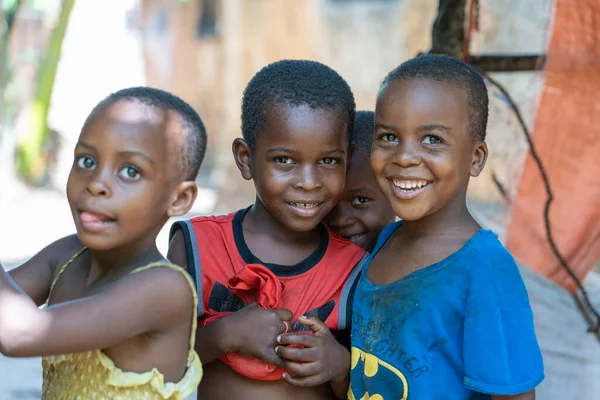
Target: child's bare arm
(523, 396)
(323, 358)
(177, 252)
(145, 302)
(34, 277)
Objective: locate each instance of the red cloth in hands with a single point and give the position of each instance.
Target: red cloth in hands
(255, 282)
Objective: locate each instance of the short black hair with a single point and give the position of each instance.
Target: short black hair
(452, 71)
(293, 83)
(364, 129)
(196, 137)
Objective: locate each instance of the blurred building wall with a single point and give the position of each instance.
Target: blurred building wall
(208, 61)
(207, 50)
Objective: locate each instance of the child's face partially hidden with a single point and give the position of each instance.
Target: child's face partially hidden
(298, 164)
(123, 177)
(423, 151)
(362, 211)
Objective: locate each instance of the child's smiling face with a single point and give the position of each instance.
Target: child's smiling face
(299, 164)
(124, 175)
(362, 211)
(423, 151)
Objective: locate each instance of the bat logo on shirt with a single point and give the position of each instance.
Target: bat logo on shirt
(224, 300)
(378, 381)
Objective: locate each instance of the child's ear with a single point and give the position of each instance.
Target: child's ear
(184, 198)
(480, 153)
(243, 159)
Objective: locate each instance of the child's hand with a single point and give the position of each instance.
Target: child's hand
(321, 360)
(253, 332)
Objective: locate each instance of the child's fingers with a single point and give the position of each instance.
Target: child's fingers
(310, 381)
(284, 314)
(315, 325)
(304, 381)
(268, 355)
(295, 354)
(297, 338)
(300, 370)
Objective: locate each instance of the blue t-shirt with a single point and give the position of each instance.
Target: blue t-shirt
(459, 329)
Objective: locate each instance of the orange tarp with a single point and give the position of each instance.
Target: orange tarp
(567, 137)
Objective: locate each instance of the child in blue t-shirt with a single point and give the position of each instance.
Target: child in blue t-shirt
(440, 311)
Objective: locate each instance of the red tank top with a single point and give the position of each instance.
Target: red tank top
(320, 285)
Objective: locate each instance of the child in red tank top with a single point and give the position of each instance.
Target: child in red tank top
(297, 124)
(317, 286)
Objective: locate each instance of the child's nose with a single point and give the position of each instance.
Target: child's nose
(309, 178)
(407, 155)
(97, 186)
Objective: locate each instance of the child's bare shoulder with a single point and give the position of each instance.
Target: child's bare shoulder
(160, 292)
(160, 277)
(60, 251)
(163, 283)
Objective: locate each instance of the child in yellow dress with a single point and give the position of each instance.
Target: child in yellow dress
(119, 319)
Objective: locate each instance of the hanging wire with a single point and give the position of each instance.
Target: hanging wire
(584, 303)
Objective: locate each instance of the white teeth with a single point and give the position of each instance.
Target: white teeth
(305, 205)
(409, 184)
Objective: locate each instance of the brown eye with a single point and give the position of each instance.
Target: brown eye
(359, 200)
(329, 161)
(388, 137)
(284, 160)
(86, 162)
(430, 139)
(130, 173)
